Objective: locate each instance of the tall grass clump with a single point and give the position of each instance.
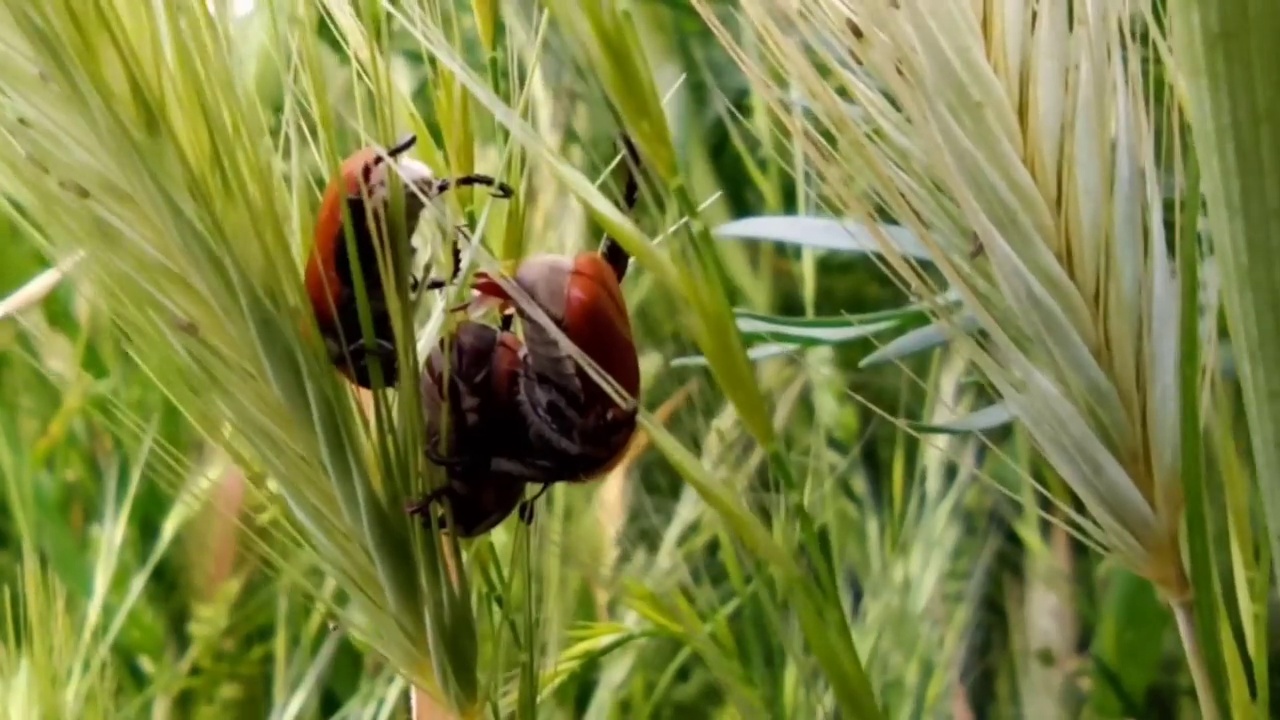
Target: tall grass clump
(605, 41)
(139, 134)
(128, 586)
(1044, 207)
(177, 153)
(1019, 493)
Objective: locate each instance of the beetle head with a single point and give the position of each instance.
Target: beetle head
(366, 175)
(582, 297)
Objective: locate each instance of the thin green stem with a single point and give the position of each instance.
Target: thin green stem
(1184, 615)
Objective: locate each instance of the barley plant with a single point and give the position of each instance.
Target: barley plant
(955, 325)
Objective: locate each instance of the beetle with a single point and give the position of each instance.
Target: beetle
(577, 429)
(526, 412)
(478, 396)
(360, 194)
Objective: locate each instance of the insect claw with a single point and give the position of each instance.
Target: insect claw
(361, 351)
(424, 503)
(449, 462)
(525, 511)
(423, 506)
(525, 508)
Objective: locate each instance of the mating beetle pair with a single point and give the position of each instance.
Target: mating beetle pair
(519, 411)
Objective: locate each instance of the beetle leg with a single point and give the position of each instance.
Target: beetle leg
(500, 189)
(362, 351)
(572, 439)
(455, 252)
(457, 463)
(551, 410)
(448, 462)
(424, 503)
(529, 469)
(526, 507)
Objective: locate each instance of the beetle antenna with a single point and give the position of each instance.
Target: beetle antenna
(500, 189)
(402, 145)
(614, 254)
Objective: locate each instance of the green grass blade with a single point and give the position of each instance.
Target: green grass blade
(821, 618)
(1222, 56)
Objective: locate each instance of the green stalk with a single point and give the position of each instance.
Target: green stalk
(1199, 534)
(1185, 617)
(1223, 53)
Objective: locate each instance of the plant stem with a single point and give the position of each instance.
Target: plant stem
(1182, 613)
(424, 707)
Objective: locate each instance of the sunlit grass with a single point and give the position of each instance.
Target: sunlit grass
(1033, 159)
(801, 529)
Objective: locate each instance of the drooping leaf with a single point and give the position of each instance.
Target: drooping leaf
(920, 339)
(755, 353)
(788, 339)
(987, 418)
(810, 334)
(751, 323)
(824, 234)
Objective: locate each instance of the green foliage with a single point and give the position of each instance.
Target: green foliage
(900, 452)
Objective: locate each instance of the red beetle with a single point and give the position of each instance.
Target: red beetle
(578, 430)
(361, 194)
(528, 413)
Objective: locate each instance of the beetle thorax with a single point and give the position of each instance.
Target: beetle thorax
(545, 278)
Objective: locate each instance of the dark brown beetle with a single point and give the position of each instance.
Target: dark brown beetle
(477, 387)
(528, 413)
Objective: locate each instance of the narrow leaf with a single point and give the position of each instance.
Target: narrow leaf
(987, 418)
(921, 339)
(824, 234)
